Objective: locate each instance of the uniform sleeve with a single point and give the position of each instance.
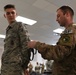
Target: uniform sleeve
(24, 38)
(57, 52)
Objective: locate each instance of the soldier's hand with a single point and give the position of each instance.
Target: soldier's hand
(31, 44)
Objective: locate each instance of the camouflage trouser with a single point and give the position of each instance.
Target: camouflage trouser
(11, 69)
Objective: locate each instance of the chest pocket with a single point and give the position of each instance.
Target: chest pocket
(7, 40)
(66, 39)
(11, 40)
(15, 39)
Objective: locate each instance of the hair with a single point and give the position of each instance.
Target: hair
(66, 9)
(9, 6)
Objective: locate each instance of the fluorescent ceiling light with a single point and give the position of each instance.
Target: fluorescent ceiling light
(2, 36)
(25, 20)
(59, 30)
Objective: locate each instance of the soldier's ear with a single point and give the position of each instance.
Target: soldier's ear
(67, 13)
(4, 15)
(16, 14)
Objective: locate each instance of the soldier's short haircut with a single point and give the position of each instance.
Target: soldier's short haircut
(66, 9)
(9, 6)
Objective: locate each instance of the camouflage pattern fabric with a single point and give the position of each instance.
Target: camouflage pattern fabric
(63, 53)
(15, 57)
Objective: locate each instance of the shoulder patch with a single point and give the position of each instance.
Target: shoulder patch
(65, 39)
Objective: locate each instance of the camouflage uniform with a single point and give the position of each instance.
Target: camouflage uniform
(63, 54)
(15, 55)
(49, 65)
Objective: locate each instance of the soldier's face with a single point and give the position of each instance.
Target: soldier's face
(61, 18)
(10, 14)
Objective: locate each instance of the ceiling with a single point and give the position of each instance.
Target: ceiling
(43, 11)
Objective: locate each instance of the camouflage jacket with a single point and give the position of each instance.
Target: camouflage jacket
(15, 44)
(63, 53)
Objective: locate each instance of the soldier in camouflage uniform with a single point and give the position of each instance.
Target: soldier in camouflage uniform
(15, 57)
(49, 66)
(64, 52)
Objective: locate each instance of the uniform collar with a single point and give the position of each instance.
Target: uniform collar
(11, 25)
(68, 29)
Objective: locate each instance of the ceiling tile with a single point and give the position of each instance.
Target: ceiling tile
(41, 4)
